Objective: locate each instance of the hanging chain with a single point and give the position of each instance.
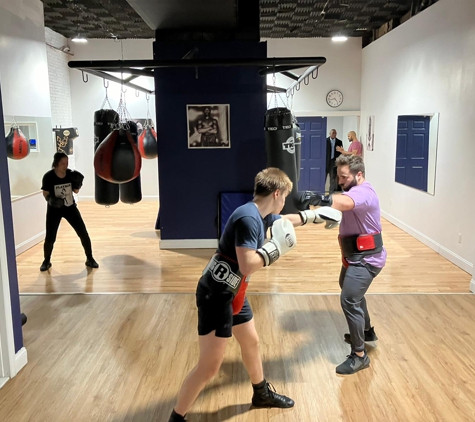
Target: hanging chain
(148, 119)
(106, 100)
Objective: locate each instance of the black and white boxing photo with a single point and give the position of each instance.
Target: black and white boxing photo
(208, 126)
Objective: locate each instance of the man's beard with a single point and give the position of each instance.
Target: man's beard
(347, 188)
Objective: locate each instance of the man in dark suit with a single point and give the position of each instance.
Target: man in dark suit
(332, 155)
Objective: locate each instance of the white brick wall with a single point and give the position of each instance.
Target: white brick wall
(59, 83)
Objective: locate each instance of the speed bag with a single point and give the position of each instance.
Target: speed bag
(18, 146)
(148, 143)
(117, 159)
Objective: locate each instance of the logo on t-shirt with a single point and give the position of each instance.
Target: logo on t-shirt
(65, 192)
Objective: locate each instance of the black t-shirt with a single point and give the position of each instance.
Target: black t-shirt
(245, 228)
(59, 187)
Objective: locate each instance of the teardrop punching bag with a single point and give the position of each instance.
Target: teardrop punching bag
(106, 193)
(131, 192)
(18, 146)
(281, 147)
(147, 143)
(117, 159)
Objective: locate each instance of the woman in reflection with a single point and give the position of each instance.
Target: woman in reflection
(58, 186)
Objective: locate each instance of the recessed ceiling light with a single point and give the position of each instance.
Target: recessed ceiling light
(79, 38)
(339, 39)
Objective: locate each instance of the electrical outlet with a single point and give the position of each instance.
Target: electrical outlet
(460, 237)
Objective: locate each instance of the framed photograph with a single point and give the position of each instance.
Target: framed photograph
(370, 134)
(208, 126)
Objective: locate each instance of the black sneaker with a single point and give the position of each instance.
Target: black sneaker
(175, 417)
(45, 266)
(92, 263)
(369, 335)
(353, 364)
(267, 397)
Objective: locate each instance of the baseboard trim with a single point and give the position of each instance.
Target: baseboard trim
(21, 359)
(87, 198)
(29, 243)
(472, 285)
(437, 247)
(189, 244)
(3, 381)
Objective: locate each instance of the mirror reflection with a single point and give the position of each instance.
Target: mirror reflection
(416, 151)
(26, 173)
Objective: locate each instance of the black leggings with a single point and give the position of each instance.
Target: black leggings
(73, 217)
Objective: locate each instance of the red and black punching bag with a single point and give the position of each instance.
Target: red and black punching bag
(283, 150)
(18, 146)
(147, 143)
(105, 193)
(117, 159)
(131, 192)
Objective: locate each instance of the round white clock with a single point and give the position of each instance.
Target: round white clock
(334, 98)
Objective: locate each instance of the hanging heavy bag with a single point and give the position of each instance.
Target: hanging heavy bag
(105, 193)
(298, 146)
(117, 159)
(131, 192)
(18, 146)
(281, 150)
(147, 143)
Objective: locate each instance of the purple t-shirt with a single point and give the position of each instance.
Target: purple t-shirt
(356, 146)
(364, 218)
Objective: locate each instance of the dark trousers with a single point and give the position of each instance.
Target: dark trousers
(73, 217)
(354, 282)
(331, 171)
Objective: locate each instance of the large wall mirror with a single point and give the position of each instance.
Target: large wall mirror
(26, 174)
(416, 151)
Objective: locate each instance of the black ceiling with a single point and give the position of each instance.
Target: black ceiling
(278, 18)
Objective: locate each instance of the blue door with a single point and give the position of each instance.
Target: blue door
(412, 151)
(312, 162)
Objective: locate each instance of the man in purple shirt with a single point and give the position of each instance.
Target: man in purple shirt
(363, 255)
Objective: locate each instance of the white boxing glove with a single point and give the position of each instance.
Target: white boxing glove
(330, 216)
(283, 240)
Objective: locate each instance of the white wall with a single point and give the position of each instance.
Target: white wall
(29, 229)
(88, 97)
(25, 95)
(342, 71)
(427, 65)
(23, 67)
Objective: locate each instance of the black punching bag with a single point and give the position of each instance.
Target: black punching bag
(131, 192)
(298, 146)
(106, 193)
(281, 147)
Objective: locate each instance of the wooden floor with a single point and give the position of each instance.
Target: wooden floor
(126, 246)
(123, 357)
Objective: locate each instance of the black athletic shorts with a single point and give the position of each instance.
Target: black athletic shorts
(215, 312)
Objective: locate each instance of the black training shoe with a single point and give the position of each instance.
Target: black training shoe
(353, 364)
(45, 266)
(92, 263)
(267, 397)
(369, 335)
(175, 417)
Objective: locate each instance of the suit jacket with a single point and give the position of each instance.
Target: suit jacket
(330, 163)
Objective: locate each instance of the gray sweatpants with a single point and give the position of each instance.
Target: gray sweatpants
(354, 282)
